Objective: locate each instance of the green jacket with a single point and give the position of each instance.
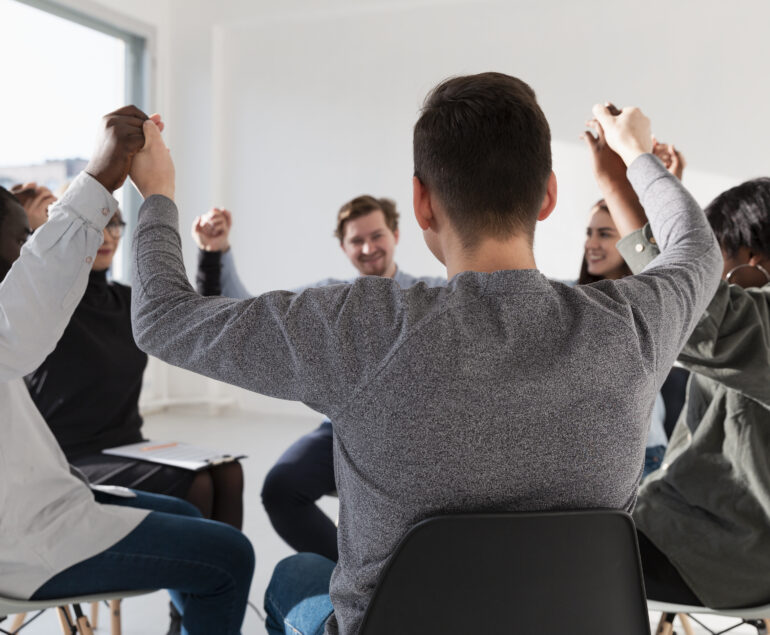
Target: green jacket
(708, 507)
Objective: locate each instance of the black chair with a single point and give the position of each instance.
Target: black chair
(575, 572)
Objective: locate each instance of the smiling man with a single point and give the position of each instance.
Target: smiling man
(367, 230)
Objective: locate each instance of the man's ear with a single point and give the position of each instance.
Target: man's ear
(423, 208)
(395, 235)
(549, 200)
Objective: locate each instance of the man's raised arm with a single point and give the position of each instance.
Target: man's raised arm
(676, 287)
(279, 344)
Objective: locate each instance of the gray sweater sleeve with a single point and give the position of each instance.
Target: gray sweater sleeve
(281, 344)
(232, 287)
(673, 289)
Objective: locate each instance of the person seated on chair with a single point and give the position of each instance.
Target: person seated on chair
(702, 519)
(88, 389)
(501, 391)
(367, 230)
(58, 539)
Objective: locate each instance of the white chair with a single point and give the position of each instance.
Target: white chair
(756, 616)
(69, 625)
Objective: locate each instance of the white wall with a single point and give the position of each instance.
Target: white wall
(281, 111)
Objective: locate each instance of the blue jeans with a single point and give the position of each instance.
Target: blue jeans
(653, 459)
(207, 566)
(297, 598)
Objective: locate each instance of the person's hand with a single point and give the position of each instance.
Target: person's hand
(627, 131)
(609, 168)
(35, 200)
(670, 157)
(211, 231)
(152, 170)
(120, 138)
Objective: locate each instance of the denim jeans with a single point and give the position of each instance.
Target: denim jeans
(206, 566)
(297, 598)
(653, 459)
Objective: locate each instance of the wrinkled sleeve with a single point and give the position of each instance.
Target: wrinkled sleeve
(42, 289)
(232, 287)
(676, 271)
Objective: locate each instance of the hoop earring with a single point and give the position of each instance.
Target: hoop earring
(757, 267)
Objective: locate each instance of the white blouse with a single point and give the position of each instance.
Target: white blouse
(49, 519)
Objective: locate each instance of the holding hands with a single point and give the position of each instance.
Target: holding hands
(120, 138)
(211, 231)
(152, 170)
(130, 141)
(670, 157)
(626, 131)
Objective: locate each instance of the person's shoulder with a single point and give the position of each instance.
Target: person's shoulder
(406, 280)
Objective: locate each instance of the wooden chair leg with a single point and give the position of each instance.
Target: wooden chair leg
(94, 615)
(18, 621)
(686, 626)
(84, 628)
(665, 624)
(65, 619)
(115, 628)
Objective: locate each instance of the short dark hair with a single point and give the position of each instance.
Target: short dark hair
(740, 217)
(483, 146)
(363, 205)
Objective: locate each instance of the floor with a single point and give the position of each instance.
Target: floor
(262, 439)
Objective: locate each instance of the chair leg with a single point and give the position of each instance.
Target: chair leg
(94, 615)
(686, 626)
(65, 619)
(115, 628)
(666, 624)
(84, 628)
(18, 621)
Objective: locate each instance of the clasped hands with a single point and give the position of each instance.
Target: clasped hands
(621, 136)
(130, 144)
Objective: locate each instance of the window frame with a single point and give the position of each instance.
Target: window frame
(139, 40)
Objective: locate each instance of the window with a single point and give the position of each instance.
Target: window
(62, 71)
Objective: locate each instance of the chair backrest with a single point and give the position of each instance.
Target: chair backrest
(574, 572)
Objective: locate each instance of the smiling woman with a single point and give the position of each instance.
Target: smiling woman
(601, 258)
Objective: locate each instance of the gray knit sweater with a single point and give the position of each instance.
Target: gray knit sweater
(502, 391)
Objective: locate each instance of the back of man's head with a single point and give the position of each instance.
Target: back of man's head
(482, 146)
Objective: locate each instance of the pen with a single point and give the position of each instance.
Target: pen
(148, 448)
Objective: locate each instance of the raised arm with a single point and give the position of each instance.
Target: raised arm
(676, 287)
(216, 266)
(45, 284)
(280, 344)
(43, 287)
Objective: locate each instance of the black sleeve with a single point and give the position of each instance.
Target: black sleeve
(208, 279)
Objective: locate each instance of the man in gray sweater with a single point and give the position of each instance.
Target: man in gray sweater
(501, 391)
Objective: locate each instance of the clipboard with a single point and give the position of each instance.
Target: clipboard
(177, 454)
